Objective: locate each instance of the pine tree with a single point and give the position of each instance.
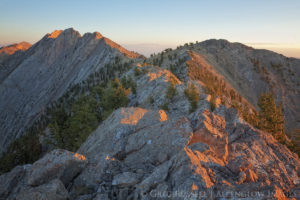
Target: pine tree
(271, 116)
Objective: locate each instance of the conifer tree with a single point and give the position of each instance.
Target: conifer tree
(271, 117)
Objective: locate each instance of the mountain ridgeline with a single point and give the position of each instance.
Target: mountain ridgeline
(45, 71)
(89, 119)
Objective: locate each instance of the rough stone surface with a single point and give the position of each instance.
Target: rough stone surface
(125, 179)
(60, 164)
(9, 180)
(140, 153)
(54, 190)
(208, 151)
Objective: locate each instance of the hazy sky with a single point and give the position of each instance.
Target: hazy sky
(157, 24)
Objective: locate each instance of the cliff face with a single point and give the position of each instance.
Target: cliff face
(44, 72)
(163, 144)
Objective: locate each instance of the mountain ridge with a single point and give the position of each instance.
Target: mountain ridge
(241, 64)
(62, 58)
(207, 49)
(106, 123)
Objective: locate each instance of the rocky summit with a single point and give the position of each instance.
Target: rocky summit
(44, 72)
(187, 123)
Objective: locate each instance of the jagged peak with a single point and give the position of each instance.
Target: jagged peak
(98, 35)
(95, 35)
(55, 34)
(71, 31)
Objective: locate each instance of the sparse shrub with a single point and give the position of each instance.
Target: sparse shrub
(145, 71)
(192, 94)
(232, 94)
(171, 92)
(129, 84)
(165, 106)
(151, 99)
(137, 71)
(212, 103)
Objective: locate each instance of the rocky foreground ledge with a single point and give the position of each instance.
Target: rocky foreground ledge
(148, 154)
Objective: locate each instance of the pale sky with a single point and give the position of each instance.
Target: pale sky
(149, 26)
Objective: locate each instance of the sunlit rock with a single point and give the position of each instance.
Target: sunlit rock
(60, 164)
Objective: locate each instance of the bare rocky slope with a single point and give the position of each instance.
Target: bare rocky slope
(249, 71)
(43, 73)
(148, 153)
(158, 147)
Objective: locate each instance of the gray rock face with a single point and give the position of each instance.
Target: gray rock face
(204, 152)
(145, 154)
(10, 180)
(45, 179)
(157, 176)
(125, 179)
(54, 190)
(60, 164)
(44, 72)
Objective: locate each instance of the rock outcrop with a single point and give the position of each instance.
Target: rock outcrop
(52, 190)
(57, 164)
(48, 178)
(148, 154)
